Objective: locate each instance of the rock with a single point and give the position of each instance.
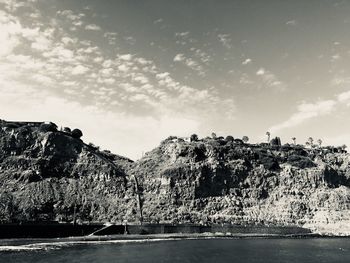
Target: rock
(47, 174)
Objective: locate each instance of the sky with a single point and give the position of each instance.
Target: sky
(130, 73)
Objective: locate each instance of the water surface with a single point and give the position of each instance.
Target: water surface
(316, 250)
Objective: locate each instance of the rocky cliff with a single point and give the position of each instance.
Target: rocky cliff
(47, 174)
(221, 181)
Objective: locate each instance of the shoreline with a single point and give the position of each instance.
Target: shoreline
(44, 244)
(103, 232)
(159, 237)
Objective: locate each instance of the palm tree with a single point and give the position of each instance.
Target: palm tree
(294, 140)
(319, 141)
(268, 136)
(245, 139)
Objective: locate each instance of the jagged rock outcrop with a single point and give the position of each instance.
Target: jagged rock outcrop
(50, 175)
(47, 174)
(218, 181)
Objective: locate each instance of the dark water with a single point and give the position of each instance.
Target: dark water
(210, 250)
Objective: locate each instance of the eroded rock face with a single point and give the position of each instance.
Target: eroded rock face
(53, 176)
(49, 175)
(221, 182)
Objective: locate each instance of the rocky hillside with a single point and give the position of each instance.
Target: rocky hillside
(221, 181)
(46, 174)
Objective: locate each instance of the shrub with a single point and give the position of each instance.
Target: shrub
(245, 139)
(76, 133)
(67, 130)
(300, 161)
(194, 138)
(229, 138)
(48, 127)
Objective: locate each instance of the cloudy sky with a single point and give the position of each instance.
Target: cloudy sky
(130, 73)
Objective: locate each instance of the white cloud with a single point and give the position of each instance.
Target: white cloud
(71, 15)
(291, 23)
(92, 27)
(203, 56)
(182, 34)
(335, 57)
(141, 79)
(344, 97)
(79, 70)
(41, 43)
(339, 80)
(260, 72)
(54, 60)
(179, 57)
(270, 80)
(225, 40)
(162, 75)
(189, 62)
(111, 36)
(126, 57)
(108, 129)
(160, 20)
(123, 68)
(306, 111)
(42, 79)
(247, 61)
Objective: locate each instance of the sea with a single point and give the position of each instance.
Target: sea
(246, 250)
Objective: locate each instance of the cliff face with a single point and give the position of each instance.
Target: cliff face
(222, 181)
(51, 175)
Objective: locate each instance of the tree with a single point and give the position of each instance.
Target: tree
(67, 130)
(48, 127)
(245, 139)
(76, 133)
(311, 141)
(194, 138)
(319, 141)
(276, 141)
(343, 147)
(268, 136)
(229, 138)
(294, 140)
(213, 135)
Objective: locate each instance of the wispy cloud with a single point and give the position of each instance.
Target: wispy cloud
(226, 40)
(247, 61)
(291, 23)
(270, 80)
(93, 27)
(306, 111)
(160, 20)
(189, 62)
